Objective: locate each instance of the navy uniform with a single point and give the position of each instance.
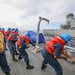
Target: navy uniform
(21, 46)
(11, 42)
(53, 50)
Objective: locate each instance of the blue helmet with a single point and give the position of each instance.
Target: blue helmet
(2, 29)
(66, 37)
(16, 30)
(9, 29)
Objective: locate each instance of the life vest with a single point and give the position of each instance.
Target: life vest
(3, 32)
(1, 42)
(27, 40)
(11, 37)
(7, 33)
(14, 33)
(50, 44)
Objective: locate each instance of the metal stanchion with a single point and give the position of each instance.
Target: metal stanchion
(38, 29)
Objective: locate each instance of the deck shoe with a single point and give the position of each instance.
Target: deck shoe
(14, 59)
(43, 66)
(7, 73)
(29, 67)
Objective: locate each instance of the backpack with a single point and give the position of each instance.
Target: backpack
(1, 42)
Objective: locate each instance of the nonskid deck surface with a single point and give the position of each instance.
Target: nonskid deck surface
(19, 68)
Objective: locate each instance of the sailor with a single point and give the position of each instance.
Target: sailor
(16, 31)
(53, 50)
(22, 46)
(3, 61)
(7, 33)
(11, 43)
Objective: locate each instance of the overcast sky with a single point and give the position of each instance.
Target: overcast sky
(24, 14)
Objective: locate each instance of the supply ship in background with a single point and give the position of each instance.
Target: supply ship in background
(68, 27)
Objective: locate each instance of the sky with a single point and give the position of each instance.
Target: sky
(24, 14)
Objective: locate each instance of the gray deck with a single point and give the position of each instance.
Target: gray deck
(19, 68)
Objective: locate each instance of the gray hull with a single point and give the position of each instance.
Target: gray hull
(49, 32)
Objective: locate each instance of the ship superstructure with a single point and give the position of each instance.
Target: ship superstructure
(68, 27)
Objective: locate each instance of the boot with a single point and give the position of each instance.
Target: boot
(20, 57)
(43, 66)
(7, 73)
(14, 59)
(29, 67)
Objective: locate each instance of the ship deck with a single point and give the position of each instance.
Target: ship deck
(19, 68)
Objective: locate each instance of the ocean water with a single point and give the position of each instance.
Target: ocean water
(25, 31)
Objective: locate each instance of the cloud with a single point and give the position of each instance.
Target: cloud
(24, 14)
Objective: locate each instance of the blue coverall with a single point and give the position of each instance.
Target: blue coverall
(3, 63)
(48, 58)
(11, 45)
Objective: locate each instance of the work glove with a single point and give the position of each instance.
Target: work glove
(73, 60)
